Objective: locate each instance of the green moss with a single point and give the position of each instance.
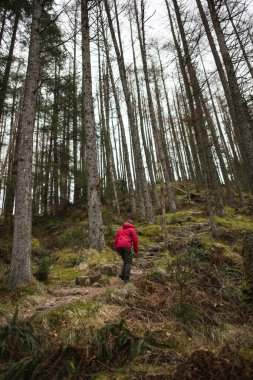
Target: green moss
(233, 256)
(247, 355)
(154, 231)
(144, 242)
(207, 239)
(66, 314)
(36, 245)
(234, 221)
(29, 290)
(94, 257)
(65, 271)
(64, 256)
(221, 247)
(148, 235)
(62, 275)
(3, 269)
(164, 261)
(186, 217)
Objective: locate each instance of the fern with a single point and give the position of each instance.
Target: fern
(116, 341)
(17, 337)
(25, 368)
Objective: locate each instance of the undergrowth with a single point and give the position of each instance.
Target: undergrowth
(193, 286)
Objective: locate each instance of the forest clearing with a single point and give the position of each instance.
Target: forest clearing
(126, 189)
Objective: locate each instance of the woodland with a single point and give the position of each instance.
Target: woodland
(118, 110)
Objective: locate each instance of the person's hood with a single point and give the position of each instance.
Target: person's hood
(128, 225)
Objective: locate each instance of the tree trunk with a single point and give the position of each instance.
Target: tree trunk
(8, 64)
(3, 20)
(108, 145)
(77, 187)
(211, 125)
(156, 132)
(96, 234)
(140, 112)
(55, 128)
(241, 112)
(204, 148)
(48, 162)
(130, 111)
(20, 270)
(241, 44)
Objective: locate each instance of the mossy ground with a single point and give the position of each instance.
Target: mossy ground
(187, 299)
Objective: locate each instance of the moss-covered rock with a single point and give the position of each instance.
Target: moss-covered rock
(65, 256)
(94, 257)
(87, 280)
(238, 223)
(67, 315)
(64, 275)
(153, 230)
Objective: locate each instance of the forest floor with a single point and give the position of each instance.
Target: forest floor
(182, 316)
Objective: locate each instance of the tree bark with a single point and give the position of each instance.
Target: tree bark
(241, 112)
(193, 95)
(140, 113)
(96, 234)
(160, 153)
(20, 270)
(8, 64)
(130, 111)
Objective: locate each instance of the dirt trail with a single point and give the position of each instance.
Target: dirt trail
(66, 294)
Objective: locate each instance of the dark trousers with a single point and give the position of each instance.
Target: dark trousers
(127, 257)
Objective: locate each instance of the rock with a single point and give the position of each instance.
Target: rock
(41, 308)
(204, 226)
(97, 285)
(120, 294)
(151, 254)
(107, 269)
(136, 272)
(78, 293)
(83, 266)
(156, 248)
(87, 280)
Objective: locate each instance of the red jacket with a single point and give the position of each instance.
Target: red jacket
(126, 236)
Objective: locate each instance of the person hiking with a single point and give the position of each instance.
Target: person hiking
(124, 239)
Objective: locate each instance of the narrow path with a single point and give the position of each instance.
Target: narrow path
(68, 294)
